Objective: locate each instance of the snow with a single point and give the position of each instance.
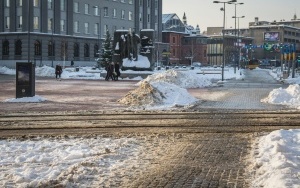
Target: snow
(44, 161)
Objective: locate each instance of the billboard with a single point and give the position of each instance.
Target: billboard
(271, 36)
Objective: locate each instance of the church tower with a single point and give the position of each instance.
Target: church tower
(184, 19)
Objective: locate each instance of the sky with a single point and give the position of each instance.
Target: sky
(86, 162)
(205, 13)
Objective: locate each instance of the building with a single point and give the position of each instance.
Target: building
(59, 31)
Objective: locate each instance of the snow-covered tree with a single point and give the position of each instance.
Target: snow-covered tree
(107, 52)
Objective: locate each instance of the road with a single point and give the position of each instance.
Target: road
(207, 145)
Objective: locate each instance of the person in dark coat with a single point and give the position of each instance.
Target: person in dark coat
(117, 71)
(110, 70)
(58, 71)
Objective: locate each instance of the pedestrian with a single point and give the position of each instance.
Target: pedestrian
(117, 71)
(58, 71)
(110, 70)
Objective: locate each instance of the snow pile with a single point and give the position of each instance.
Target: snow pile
(276, 160)
(165, 90)
(289, 96)
(158, 95)
(45, 71)
(5, 70)
(33, 99)
(184, 79)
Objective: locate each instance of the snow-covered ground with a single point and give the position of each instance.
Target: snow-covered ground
(276, 156)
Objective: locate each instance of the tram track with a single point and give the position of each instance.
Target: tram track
(91, 122)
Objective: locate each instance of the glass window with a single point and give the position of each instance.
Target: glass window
(50, 48)
(20, 3)
(86, 8)
(96, 29)
(114, 13)
(76, 50)
(37, 48)
(105, 28)
(5, 48)
(7, 20)
(36, 3)
(105, 11)
(7, 3)
(130, 1)
(130, 16)
(35, 22)
(96, 10)
(20, 21)
(49, 4)
(76, 27)
(50, 24)
(62, 25)
(76, 7)
(18, 47)
(123, 14)
(86, 50)
(62, 5)
(122, 1)
(86, 28)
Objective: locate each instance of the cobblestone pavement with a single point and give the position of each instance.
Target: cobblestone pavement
(210, 160)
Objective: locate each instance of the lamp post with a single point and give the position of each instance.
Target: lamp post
(223, 33)
(99, 32)
(235, 32)
(238, 40)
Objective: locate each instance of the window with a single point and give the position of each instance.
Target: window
(86, 28)
(51, 48)
(123, 14)
(86, 9)
(105, 29)
(96, 29)
(76, 27)
(97, 11)
(130, 16)
(35, 22)
(7, 20)
(20, 3)
(86, 50)
(96, 49)
(20, 21)
(148, 3)
(141, 2)
(130, 1)
(114, 13)
(36, 3)
(18, 47)
(64, 49)
(76, 7)
(148, 18)
(140, 17)
(62, 5)
(105, 11)
(122, 1)
(37, 48)
(50, 24)
(62, 25)
(7, 3)
(76, 50)
(5, 48)
(49, 4)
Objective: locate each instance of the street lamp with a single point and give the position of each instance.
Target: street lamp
(223, 34)
(99, 32)
(238, 40)
(235, 4)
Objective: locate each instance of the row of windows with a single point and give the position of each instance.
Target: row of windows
(51, 47)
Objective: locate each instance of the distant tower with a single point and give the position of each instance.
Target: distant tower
(295, 17)
(197, 30)
(184, 19)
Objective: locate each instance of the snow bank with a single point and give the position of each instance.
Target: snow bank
(35, 98)
(276, 160)
(5, 70)
(289, 96)
(184, 79)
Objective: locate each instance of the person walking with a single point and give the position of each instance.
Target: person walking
(110, 70)
(117, 71)
(58, 71)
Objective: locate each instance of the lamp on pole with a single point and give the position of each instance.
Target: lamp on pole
(99, 32)
(235, 32)
(223, 33)
(238, 40)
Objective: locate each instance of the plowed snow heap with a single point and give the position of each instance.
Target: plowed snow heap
(145, 94)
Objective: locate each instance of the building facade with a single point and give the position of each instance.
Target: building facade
(48, 32)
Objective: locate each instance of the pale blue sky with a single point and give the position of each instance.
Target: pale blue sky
(205, 13)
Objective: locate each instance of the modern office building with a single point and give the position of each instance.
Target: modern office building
(48, 32)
